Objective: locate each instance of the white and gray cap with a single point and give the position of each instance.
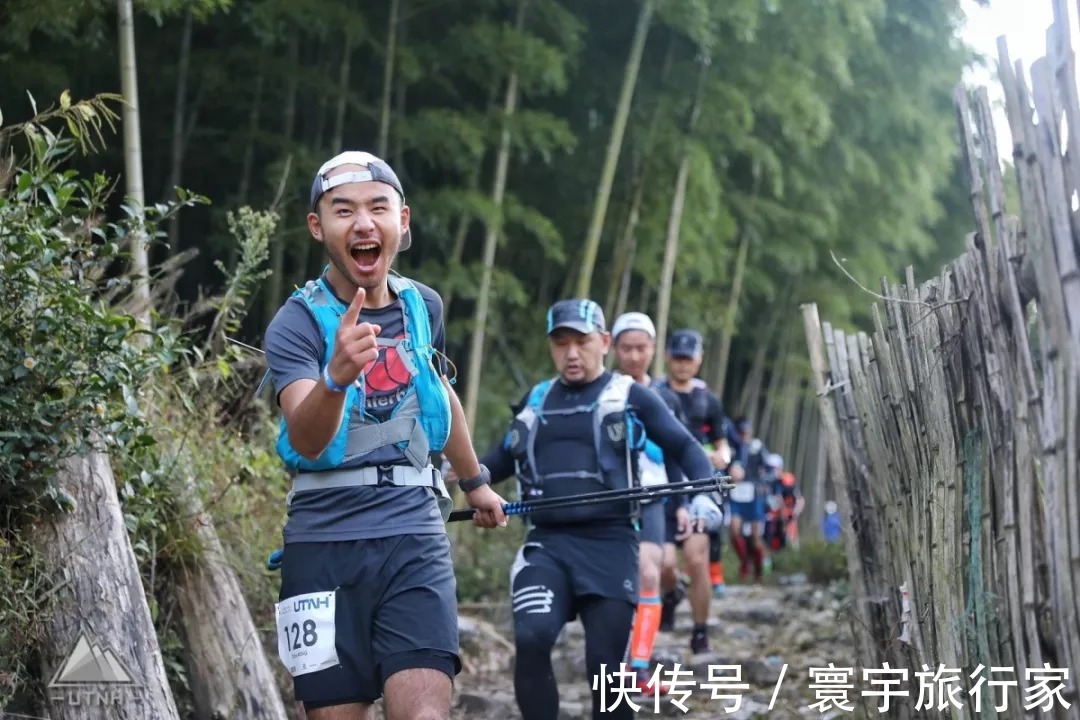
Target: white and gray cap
(378, 170)
(633, 321)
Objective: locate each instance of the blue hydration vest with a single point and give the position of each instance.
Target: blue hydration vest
(420, 423)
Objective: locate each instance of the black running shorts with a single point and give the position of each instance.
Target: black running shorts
(396, 609)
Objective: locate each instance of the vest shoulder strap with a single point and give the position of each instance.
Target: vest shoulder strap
(615, 394)
(539, 391)
(418, 327)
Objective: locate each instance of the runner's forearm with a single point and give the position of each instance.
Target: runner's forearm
(459, 450)
(675, 475)
(500, 463)
(673, 438)
(313, 423)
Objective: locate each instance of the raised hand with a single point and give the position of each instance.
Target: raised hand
(355, 345)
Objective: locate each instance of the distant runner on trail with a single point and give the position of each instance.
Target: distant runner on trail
(703, 412)
(368, 604)
(634, 340)
(748, 506)
(787, 503)
(575, 433)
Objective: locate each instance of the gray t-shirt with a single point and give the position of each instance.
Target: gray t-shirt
(294, 351)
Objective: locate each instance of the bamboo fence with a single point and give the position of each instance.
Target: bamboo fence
(952, 430)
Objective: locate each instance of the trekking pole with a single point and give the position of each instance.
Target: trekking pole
(522, 507)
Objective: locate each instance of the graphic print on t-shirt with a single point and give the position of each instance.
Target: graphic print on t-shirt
(386, 379)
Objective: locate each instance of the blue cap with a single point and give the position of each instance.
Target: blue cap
(582, 315)
(685, 344)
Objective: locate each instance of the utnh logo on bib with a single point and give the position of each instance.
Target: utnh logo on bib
(93, 675)
(301, 604)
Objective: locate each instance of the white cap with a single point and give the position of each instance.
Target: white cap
(633, 321)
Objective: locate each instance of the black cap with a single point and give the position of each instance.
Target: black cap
(582, 315)
(685, 344)
(377, 171)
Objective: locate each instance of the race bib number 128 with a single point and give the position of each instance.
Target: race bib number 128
(306, 632)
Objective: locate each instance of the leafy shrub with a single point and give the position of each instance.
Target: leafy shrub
(821, 562)
(72, 365)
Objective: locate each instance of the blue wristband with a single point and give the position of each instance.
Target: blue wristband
(330, 381)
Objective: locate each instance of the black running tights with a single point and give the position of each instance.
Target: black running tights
(543, 604)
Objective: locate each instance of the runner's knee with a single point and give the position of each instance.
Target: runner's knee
(650, 578)
(696, 549)
(421, 689)
(607, 624)
(536, 626)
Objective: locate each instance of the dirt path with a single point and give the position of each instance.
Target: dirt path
(759, 628)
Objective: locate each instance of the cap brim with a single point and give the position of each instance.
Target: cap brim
(624, 330)
(682, 354)
(577, 325)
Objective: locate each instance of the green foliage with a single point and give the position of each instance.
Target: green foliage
(71, 367)
(24, 601)
(77, 370)
(822, 563)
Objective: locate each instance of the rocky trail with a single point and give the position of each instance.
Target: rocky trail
(760, 628)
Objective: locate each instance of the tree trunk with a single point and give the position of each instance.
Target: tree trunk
(726, 335)
(461, 235)
(622, 267)
(748, 402)
(627, 276)
(248, 161)
(457, 251)
(231, 676)
(671, 245)
(773, 394)
(273, 288)
(305, 266)
(133, 170)
(401, 88)
(646, 298)
(102, 614)
(179, 128)
(804, 436)
(786, 442)
(611, 159)
(491, 241)
(388, 81)
(338, 141)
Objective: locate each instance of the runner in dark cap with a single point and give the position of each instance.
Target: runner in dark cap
(703, 412)
(582, 431)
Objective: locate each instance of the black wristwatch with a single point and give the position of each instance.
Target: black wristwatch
(470, 484)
